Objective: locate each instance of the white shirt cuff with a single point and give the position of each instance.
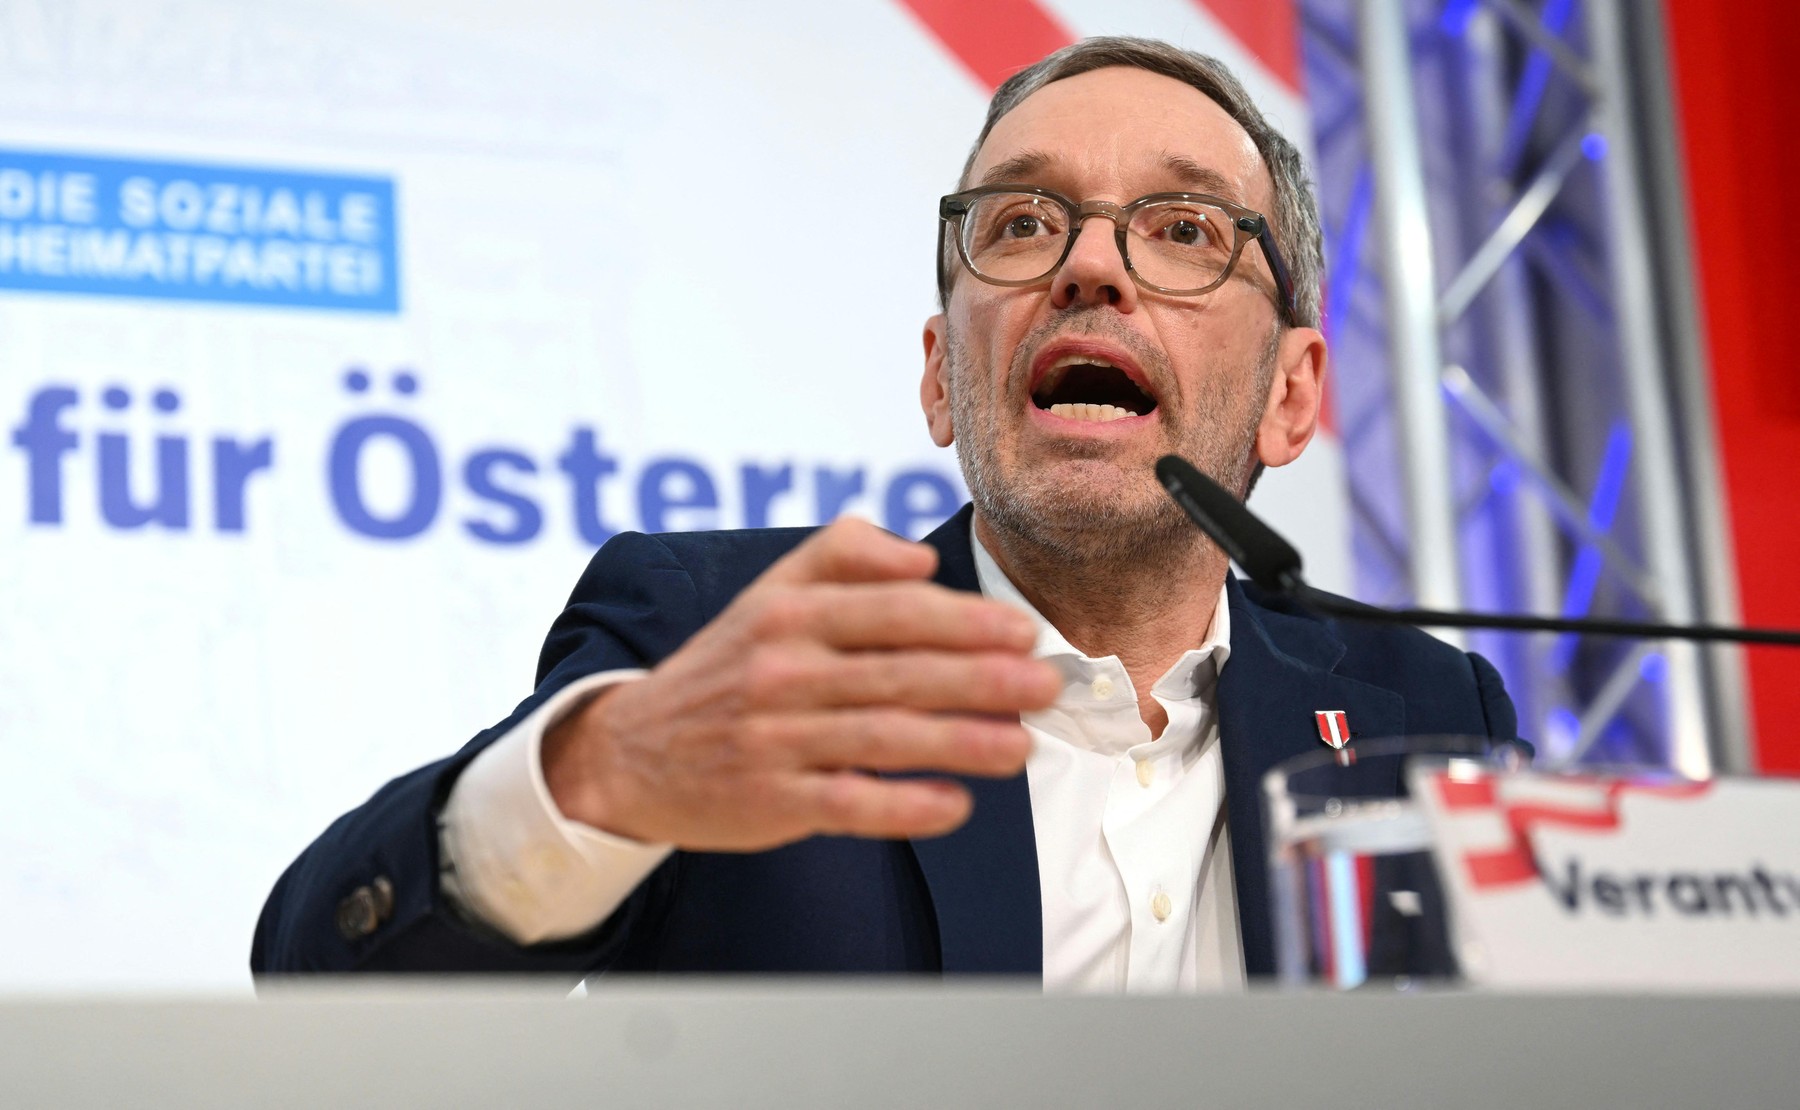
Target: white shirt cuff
(515, 862)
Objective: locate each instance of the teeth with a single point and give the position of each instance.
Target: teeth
(1099, 414)
(1081, 360)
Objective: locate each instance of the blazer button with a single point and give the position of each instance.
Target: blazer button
(365, 908)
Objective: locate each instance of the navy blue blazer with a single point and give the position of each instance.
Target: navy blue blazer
(963, 903)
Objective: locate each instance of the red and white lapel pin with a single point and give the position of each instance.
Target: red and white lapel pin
(1334, 727)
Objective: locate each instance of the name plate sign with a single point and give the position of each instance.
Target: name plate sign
(1558, 881)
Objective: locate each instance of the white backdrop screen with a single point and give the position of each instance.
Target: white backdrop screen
(335, 336)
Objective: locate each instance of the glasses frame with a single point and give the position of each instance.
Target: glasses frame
(1247, 225)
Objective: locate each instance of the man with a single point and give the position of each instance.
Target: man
(794, 750)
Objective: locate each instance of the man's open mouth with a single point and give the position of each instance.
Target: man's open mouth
(1084, 387)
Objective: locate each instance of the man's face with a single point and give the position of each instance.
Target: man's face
(1211, 368)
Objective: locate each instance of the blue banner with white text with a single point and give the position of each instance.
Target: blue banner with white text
(137, 228)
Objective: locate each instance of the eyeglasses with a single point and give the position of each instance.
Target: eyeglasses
(1181, 244)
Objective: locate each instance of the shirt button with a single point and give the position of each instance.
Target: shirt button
(1146, 771)
(1103, 688)
(1160, 906)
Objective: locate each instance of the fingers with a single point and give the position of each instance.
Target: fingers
(895, 740)
(850, 804)
(970, 682)
(839, 660)
(851, 550)
(895, 615)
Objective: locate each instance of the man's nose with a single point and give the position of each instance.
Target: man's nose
(1094, 272)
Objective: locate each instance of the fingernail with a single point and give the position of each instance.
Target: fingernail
(949, 798)
(1013, 624)
(1025, 676)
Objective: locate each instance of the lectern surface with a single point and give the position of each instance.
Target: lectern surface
(864, 1045)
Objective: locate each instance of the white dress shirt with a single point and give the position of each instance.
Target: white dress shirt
(1133, 857)
(1134, 862)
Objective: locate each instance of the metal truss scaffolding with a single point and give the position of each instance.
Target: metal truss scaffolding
(1514, 353)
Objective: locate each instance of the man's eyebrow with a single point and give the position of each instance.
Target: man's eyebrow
(1020, 167)
(1189, 175)
(1198, 178)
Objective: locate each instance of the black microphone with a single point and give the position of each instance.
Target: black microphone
(1272, 563)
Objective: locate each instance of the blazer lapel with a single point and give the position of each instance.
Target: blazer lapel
(1279, 674)
(984, 876)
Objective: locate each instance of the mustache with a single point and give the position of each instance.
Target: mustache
(1094, 322)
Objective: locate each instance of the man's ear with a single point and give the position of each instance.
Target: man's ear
(934, 387)
(1296, 391)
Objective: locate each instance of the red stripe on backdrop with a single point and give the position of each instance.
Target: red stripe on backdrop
(1268, 29)
(993, 39)
(1740, 124)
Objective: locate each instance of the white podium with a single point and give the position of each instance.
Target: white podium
(869, 1044)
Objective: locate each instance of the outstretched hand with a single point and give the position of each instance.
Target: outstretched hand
(840, 660)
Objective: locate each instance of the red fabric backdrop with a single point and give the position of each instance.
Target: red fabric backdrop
(1734, 75)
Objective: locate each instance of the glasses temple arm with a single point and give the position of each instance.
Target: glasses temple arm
(1284, 283)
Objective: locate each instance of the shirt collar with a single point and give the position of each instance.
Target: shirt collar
(1179, 682)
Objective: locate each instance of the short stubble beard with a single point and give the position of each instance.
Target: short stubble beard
(1125, 522)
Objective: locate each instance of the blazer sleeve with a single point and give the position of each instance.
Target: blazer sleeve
(633, 606)
(1496, 703)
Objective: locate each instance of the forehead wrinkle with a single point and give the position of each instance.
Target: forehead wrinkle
(1115, 123)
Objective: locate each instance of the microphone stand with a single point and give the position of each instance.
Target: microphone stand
(1321, 602)
(1272, 563)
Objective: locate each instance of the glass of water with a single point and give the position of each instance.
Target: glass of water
(1355, 892)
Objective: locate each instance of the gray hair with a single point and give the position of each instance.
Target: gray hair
(1295, 220)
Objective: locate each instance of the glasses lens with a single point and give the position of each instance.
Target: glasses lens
(1014, 236)
(1181, 244)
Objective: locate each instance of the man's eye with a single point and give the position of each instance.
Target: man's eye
(1023, 227)
(1192, 229)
